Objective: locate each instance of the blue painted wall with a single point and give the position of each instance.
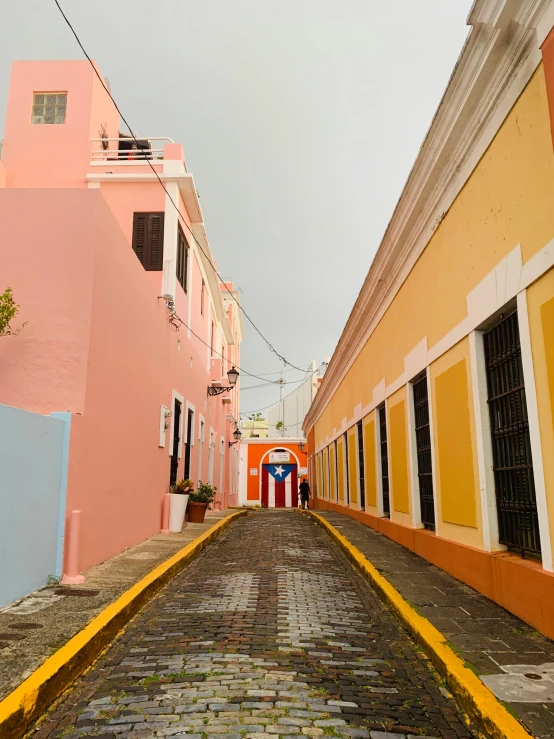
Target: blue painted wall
(33, 473)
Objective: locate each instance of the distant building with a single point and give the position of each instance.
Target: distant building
(254, 428)
(270, 470)
(286, 417)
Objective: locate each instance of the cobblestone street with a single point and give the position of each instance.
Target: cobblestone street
(269, 632)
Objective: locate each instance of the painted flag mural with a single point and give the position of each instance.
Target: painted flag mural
(279, 485)
(280, 471)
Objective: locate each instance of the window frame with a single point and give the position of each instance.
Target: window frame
(182, 266)
(44, 105)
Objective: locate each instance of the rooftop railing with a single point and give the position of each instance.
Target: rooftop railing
(126, 149)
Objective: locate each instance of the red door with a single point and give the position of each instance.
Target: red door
(280, 494)
(265, 485)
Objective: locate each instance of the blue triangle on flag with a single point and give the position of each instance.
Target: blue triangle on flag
(280, 471)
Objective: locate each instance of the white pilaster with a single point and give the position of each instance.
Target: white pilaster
(171, 224)
(534, 429)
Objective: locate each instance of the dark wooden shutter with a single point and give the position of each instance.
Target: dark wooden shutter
(140, 235)
(182, 258)
(155, 254)
(148, 240)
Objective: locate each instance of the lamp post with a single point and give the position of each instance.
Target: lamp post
(233, 376)
(237, 433)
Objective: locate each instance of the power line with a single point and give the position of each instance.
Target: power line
(175, 318)
(268, 343)
(257, 410)
(275, 382)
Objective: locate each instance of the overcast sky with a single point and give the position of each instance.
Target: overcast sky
(300, 120)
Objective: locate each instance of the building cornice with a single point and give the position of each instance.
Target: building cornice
(185, 181)
(501, 53)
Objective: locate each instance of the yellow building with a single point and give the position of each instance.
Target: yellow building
(434, 423)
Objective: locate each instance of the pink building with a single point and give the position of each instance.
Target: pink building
(99, 258)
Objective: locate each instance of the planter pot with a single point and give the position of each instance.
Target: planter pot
(197, 512)
(177, 508)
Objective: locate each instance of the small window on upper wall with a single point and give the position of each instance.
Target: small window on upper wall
(182, 259)
(49, 107)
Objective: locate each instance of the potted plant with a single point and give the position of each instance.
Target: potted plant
(178, 499)
(199, 502)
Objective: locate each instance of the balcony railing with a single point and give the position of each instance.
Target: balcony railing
(125, 149)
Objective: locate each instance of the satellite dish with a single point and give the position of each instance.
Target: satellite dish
(107, 83)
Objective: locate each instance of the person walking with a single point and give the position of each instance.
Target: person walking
(304, 493)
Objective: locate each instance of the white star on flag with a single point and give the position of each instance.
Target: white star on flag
(279, 471)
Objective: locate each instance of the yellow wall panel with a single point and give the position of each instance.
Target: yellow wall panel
(400, 483)
(318, 476)
(352, 466)
(454, 462)
(540, 304)
(370, 463)
(325, 475)
(332, 472)
(506, 201)
(547, 321)
(340, 471)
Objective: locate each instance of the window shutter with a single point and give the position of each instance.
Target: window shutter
(155, 255)
(148, 240)
(140, 230)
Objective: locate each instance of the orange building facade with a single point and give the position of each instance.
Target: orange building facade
(270, 471)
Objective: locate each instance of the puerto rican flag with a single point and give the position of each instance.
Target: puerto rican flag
(279, 485)
(280, 471)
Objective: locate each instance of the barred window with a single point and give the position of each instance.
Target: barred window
(49, 107)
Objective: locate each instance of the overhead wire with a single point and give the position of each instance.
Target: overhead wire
(176, 321)
(257, 410)
(267, 342)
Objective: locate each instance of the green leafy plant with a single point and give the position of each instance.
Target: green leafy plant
(205, 494)
(8, 311)
(182, 487)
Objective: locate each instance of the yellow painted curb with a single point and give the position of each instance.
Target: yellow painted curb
(29, 700)
(478, 701)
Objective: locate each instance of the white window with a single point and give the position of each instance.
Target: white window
(49, 107)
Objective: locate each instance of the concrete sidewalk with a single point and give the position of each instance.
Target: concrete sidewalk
(514, 660)
(35, 627)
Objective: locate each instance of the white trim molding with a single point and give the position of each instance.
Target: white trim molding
(379, 462)
(438, 521)
(191, 407)
(500, 286)
(415, 497)
(176, 396)
(500, 55)
(534, 430)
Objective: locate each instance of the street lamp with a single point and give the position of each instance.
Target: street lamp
(233, 376)
(301, 445)
(237, 433)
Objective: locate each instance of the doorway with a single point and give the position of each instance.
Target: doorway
(174, 461)
(279, 485)
(516, 503)
(188, 445)
(423, 448)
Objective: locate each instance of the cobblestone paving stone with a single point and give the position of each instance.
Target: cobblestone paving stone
(269, 633)
(486, 636)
